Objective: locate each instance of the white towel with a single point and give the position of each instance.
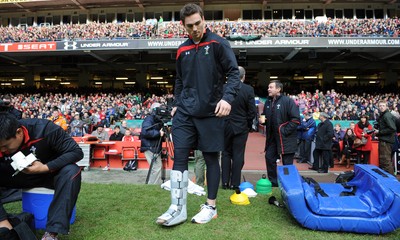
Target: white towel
(192, 188)
(20, 161)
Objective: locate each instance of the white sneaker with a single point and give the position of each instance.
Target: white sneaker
(106, 168)
(206, 214)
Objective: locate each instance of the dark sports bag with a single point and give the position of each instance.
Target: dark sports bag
(23, 227)
(131, 165)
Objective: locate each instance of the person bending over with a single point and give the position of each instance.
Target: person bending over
(56, 153)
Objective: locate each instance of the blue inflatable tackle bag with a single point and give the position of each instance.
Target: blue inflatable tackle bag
(368, 203)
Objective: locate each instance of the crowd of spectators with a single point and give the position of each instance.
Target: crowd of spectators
(341, 106)
(84, 112)
(67, 32)
(105, 109)
(174, 29)
(308, 28)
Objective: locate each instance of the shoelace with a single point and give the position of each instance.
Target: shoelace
(209, 210)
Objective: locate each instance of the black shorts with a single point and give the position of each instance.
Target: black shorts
(204, 134)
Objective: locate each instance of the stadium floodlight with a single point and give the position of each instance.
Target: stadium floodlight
(310, 77)
(162, 82)
(17, 79)
(157, 78)
(50, 79)
(273, 77)
(339, 82)
(121, 78)
(349, 77)
(65, 83)
(130, 83)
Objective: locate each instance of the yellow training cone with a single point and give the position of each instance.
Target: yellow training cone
(239, 198)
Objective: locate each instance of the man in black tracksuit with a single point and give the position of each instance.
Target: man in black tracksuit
(204, 63)
(323, 144)
(237, 127)
(151, 144)
(282, 118)
(55, 168)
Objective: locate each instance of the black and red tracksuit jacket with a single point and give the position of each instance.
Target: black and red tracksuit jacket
(202, 69)
(282, 118)
(48, 142)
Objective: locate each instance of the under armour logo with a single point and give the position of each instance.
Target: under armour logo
(278, 106)
(187, 53)
(70, 45)
(206, 48)
(8, 158)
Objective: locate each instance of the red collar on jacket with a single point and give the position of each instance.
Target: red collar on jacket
(27, 142)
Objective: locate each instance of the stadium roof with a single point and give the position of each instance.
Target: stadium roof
(43, 5)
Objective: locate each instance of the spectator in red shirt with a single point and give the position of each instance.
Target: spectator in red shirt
(128, 137)
(129, 115)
